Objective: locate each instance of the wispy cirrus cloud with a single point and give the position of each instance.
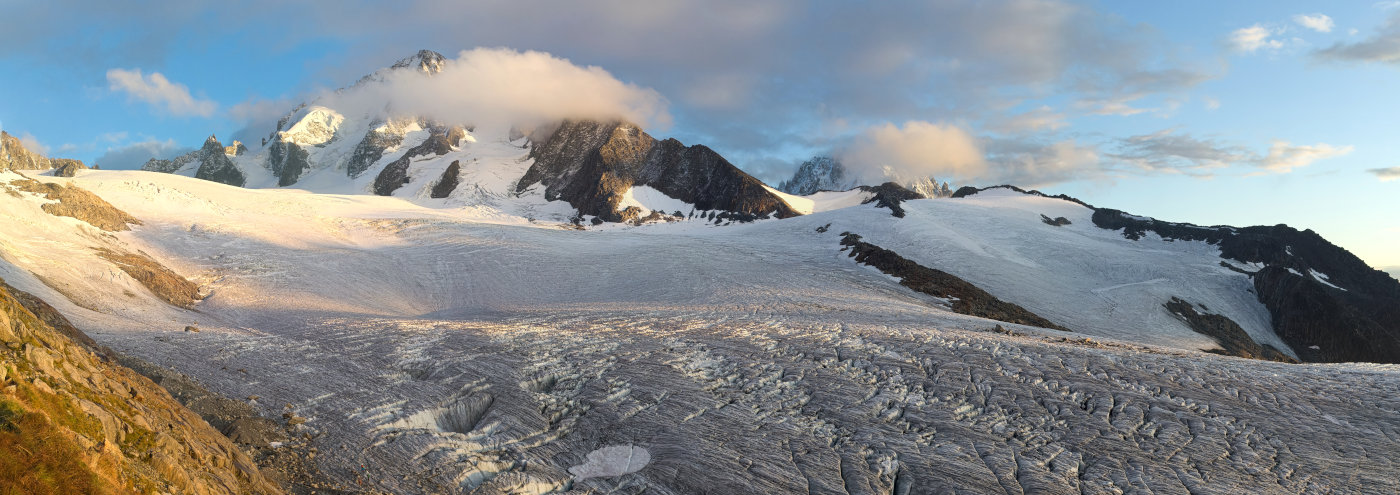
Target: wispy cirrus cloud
(1172, 151)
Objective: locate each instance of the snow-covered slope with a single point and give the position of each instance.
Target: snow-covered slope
(446, 345)
(324, 147)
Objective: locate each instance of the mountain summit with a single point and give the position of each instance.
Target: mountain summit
(611, 171)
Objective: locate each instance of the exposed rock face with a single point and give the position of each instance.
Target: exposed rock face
(288, 161)
(591, 165)
(448, 181)
(14, 156)
(820, 173)
(172, 165)
(427, 62)
(395, 174)
(215, 165)
(78, 203)
(1234, 341)
(161, 281)
(236, 149)
(379, 138)
(67, 168)
(92, 426)
(1326, 303)
(890, 195)
(966, 298)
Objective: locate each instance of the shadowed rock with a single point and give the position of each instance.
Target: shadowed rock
(163, 282)
(448, 181)
(1233, 340)
(395, 174)
(216, 166)
(966, 298)
(592, 165)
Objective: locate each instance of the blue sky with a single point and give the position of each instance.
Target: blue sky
(1238, 113)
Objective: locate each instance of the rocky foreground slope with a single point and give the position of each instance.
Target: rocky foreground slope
(74, 421)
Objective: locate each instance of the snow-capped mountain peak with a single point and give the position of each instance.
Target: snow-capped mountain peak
(426, 61)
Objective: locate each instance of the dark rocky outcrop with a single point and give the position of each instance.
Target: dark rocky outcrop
(215, 165)
(890, 195)
(76, 202)
(1353, 314)
(966, 298)
(1233, 340)
(448, 181)
(591, 165)
(966, 191)
(67, 168)
(395, 174)
(288, 161)
(1054, 222)
(1325, 303)
(380, 137)
(172, 165)
(820, 173)
(73, 421)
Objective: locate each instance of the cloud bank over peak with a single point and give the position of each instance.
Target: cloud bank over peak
(915, 149)
(501, 86)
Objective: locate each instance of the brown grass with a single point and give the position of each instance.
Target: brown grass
(39, 458)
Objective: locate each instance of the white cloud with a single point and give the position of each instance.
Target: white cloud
(917, 149)
(1283, 157)
(1121, 106)
(1253, 39)
(1383, 47)
(1316, 22)
(1040, 165)
(497, 85)
(1212, 103)
(155, 89)
(32, 144)
(1386, 174)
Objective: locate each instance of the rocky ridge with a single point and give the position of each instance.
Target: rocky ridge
(14, 156)
(592, 165)
(1325, 303)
